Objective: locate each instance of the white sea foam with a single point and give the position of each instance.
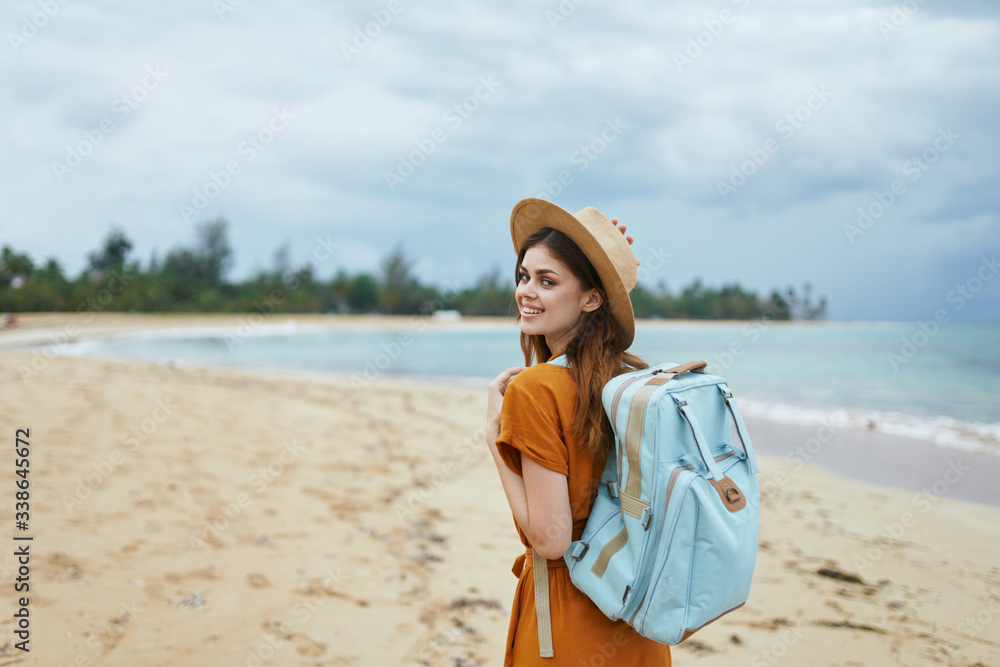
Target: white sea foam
(291, 327)
(287, 328)
(942, 431)
(485, 353)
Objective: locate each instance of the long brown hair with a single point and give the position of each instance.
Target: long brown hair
(593, 354)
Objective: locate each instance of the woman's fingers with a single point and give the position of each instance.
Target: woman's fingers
(494, 403)
(500, 382)
(507, 375)
(628, 237)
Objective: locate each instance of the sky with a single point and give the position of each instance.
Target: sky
(851, 144)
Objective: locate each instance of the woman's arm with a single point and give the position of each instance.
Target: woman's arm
(539, 500)
(550, 521)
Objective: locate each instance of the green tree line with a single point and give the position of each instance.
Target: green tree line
(192, 278)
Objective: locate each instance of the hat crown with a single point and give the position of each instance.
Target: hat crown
(613, 241)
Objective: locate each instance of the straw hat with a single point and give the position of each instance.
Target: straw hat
(600, 241)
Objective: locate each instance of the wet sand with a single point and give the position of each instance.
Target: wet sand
(879, 458)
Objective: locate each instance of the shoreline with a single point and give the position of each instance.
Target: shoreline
(861, 454)
(38, 329)
(927, 469)
(58, 327)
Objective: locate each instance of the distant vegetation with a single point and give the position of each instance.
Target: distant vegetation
(192, 279)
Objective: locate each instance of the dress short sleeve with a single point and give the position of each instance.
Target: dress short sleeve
(531, 423)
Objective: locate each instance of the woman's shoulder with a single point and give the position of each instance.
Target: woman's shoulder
(541, 377)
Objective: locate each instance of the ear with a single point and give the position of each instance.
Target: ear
(592, 300)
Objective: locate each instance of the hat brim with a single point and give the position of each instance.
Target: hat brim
(602, 243)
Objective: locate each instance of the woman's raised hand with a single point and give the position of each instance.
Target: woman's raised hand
(628, 237)
(494, 403)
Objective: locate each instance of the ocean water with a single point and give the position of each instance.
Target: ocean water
(939, 385)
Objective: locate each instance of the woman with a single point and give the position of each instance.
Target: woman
(547, 430)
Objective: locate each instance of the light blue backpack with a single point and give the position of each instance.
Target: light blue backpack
(673, 546)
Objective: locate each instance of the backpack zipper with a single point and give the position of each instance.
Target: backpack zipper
(642, 585)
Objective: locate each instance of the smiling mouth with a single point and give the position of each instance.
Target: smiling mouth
(531, 311)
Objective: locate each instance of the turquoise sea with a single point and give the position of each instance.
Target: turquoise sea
(938, 384)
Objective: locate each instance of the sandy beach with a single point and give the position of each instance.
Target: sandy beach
(208, 516)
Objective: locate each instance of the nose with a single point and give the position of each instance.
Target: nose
(525, 288)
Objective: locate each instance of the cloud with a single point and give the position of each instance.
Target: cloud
(840, 97)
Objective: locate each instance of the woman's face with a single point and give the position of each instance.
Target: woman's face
(550, 299)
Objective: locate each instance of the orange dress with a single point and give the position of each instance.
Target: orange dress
(536, 421)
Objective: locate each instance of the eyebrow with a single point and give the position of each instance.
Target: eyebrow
(539, 271)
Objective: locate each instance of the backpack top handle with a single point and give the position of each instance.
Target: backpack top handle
(669, 374)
